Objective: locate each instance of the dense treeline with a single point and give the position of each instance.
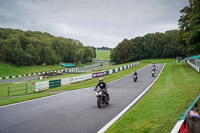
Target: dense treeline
(34, 48)
(182, 42)
(157, 45)
(103, 48)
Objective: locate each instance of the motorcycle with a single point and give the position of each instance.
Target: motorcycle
(102, 98)
(153, 73)
(135, 78)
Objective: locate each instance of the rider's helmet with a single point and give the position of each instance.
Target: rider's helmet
(101, 79)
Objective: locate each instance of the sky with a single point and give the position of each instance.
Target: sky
(93, 22)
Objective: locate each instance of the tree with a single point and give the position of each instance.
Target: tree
(31, 55)
(121, 53)
(78, 58)
(137, 48)
(113, 55)
(34, 47)
(89, 54)
(189, 25)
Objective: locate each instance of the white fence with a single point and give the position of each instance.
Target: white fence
(194, 66)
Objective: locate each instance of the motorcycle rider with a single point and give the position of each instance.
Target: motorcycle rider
(135, 74)
(153, 72)
(102, 85)
(154, 66)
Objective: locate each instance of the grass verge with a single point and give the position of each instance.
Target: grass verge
(166, 101)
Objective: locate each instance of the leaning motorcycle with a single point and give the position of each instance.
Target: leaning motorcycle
(102, 98)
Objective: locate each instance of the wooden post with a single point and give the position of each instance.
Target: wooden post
(8, 90)
(26, 88)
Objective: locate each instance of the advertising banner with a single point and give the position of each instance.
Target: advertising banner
(80, 78)
(99, 74)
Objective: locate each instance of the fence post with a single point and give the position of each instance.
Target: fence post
(8, 90)
(26, 88)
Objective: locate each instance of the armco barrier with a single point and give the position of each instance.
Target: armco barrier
(65, 81)
(194, 66)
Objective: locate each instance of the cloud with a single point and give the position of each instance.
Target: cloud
(93, 22)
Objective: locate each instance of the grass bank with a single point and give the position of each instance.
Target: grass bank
(166, 101)
(4, 99)
(7, 69)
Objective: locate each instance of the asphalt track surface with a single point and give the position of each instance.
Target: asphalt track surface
(18, 79)
(74, 111)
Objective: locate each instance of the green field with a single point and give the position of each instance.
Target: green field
(103, 54)
(159, 110)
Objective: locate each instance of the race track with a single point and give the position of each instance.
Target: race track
(74, 111)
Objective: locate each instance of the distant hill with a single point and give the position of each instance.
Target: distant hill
(103, 54)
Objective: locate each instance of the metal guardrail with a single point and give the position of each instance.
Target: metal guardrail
(194, 66)
(183, 116)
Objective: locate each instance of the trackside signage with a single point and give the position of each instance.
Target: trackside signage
(99, 74)
(80, 78)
